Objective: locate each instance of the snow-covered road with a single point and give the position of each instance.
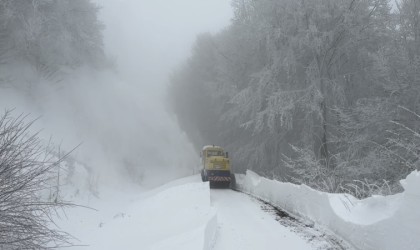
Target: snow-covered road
(242, 224)
(186, 215)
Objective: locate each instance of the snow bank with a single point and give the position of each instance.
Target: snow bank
(390, 222)
(210, 232)
(178, 215)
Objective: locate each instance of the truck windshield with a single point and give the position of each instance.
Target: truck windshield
(214, 153)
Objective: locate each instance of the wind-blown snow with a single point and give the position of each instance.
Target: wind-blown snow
(390, 222)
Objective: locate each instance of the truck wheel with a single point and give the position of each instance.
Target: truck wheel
(202, 175)
(232, 181)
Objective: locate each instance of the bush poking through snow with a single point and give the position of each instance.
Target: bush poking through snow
(25, 169)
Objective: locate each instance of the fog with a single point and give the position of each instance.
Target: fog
(149, 38)
(119, 116)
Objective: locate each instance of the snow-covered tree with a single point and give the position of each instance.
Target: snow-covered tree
(292, 79)
(51, 34)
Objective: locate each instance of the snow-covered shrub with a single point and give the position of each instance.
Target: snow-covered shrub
(367, 188)
(309, 170)
(25, 171)
(316, 173)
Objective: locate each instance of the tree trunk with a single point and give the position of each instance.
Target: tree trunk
(324, 141)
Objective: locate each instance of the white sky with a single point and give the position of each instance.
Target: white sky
(150, 37)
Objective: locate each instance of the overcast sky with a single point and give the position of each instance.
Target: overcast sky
(150, 37)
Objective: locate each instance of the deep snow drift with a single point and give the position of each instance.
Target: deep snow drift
(378, 222)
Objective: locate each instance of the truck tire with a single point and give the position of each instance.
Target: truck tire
(202, 175)
(232, 181)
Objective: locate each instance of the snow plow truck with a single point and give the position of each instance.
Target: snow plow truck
(216, 167)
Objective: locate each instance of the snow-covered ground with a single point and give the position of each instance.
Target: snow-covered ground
(242, 224)
(174, 216)
(390, 222)
(183, 214)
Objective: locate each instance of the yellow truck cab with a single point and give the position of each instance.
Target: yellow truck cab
(216, 166)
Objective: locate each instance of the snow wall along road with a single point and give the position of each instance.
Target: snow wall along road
(379, 222)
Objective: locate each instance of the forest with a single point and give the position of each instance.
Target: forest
(320, 92)
(41, 42)
(51, 37)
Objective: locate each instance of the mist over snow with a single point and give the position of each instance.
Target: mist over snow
(119, 115)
